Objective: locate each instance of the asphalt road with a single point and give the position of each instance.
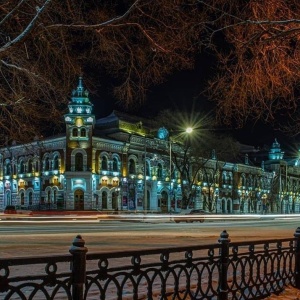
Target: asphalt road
(43, 238)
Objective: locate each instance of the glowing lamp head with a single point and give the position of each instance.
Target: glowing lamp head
(189, 130)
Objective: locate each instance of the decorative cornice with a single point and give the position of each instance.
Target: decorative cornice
(108, 146)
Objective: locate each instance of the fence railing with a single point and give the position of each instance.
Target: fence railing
(224, 270)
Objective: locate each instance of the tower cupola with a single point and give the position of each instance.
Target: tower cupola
(79, 120)
(80, 107)
(275, 152)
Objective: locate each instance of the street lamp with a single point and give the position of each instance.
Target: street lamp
(188, 130)
(145, 179)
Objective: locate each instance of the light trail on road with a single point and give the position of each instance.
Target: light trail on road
(29, 239)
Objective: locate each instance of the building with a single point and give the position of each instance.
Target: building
(124, 163)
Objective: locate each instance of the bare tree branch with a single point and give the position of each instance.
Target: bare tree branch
(27, 30)
(46, 44)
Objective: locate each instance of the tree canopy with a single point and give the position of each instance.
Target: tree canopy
(257, 47)
(46, 44)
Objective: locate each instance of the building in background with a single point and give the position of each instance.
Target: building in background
(124, 163)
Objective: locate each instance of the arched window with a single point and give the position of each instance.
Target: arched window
(30, 198)
(104, 200)
(14, 167)
(7, 169)
(36, 166)
(114, 200)
(115, 165)
(147, 169)
(75, 132)
(159, 171)
(22, 199)
(131, 166)
(55, 163)
(30, 168)
(22, 167)
(8, 197)
(47, 164)
(104, 163)
(243, 180)
(78, 162)
(224, 181)
(54, 196)
(48, 196)
(83, 132)
(230, 179)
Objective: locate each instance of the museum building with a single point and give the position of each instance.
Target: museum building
(121, 162)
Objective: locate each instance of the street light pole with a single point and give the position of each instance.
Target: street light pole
(145, 179)
(188, 131)
(170, 175)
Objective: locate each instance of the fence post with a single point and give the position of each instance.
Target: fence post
(224, 257)
(297, 258)
(78, 267)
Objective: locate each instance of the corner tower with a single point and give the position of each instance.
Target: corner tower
(79, 133)
(79, 129)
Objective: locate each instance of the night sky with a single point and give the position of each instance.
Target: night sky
(184, 91)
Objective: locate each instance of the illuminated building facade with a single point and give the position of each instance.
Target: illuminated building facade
(117, 163)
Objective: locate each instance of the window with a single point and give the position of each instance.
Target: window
(54, 196)
(7, 169)
(75, 132)
(22, 167)
(115, 164)
(104, 163)
(159, 171)
(36, 166)
(243, 180)
(131, 166)
(47, 164)
(30, 166)
(55, 163)
(22, 199)
(83, 132)
(230, 179)
(104, 200)
(224, 178)
(14, 169)
(78, 162)
(115, 200)
(147, 169)
(30, 198)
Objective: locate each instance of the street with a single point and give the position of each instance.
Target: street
(23, 238)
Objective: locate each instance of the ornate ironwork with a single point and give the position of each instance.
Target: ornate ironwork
(225, 270)
(41, 278)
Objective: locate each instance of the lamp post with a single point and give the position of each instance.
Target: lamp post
(170, 176)
(145, 178)
(188, 130)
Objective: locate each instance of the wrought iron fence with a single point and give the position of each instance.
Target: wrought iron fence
(225, 270)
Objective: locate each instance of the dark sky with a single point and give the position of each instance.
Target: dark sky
(184, 91)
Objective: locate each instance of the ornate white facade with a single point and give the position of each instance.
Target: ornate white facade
(114, 163)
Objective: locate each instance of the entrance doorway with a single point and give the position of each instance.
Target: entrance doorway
(79, 200)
